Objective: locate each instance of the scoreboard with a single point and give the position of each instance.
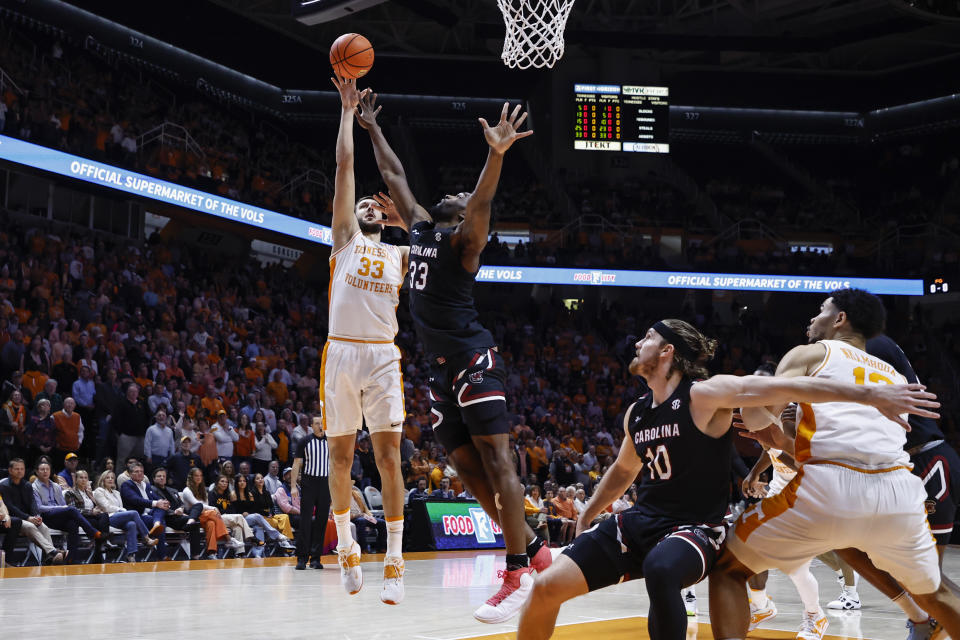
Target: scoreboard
(612, 117)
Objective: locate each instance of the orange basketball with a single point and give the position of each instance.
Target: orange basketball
(351, 55)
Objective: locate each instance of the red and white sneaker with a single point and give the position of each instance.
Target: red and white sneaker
(506, 602)
(541, 560)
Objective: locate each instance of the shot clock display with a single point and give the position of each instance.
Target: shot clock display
(613, 117)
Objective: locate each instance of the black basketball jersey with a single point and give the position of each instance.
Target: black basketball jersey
(686, 474)
(922, 429)
(441, 295)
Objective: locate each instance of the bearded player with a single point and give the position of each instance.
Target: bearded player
(360, 376)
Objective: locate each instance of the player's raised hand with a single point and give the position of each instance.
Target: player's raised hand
(350, 96)
(505, 132)
(895, 399)
(386, 206)
(368, 111)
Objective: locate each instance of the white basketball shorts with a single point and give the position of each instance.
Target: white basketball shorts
(358, 381)
(829, 506)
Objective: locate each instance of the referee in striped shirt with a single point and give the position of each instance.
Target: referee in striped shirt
(313, 459)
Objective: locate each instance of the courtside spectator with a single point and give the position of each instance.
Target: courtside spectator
(419, 492)
(20, 502)
(55, 512)
(567, 514)
(216, 530)
(179, 516)
(245, 505)
(10, 528)
(364, 521)
(222, 496)
(263, 504)
(132, 523)
(443, 491)
(80, 497)
(536, 512)
(139, 496)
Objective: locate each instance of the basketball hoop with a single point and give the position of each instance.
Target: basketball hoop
(534, 32)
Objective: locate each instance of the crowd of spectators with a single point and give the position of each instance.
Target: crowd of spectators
(72, 100)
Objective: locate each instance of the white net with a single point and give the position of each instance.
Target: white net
(534, 32)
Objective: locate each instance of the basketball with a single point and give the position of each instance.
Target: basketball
(351, 55)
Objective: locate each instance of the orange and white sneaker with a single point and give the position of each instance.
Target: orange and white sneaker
(506, 602)
(541, 560)
(813, 626)
(351, 576)
(759, 616)
(392, 592)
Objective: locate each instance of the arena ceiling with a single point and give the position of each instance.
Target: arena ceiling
(847, 37)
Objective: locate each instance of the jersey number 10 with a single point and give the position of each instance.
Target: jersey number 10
(418, 275)
(658, 462)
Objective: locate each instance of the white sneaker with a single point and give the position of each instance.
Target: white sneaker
(285, 543)
(351, 576)
(813, 626)
(233, 543)
(506, 602)
(392, 592)
(690, 601)
(848, 601)
(759, 616)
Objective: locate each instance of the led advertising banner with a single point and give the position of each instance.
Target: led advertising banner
(105, 175)
(688, 280)
(462, 525)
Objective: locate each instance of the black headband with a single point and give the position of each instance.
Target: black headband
(678, 343)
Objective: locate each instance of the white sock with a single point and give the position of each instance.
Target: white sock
(914, 612)
(344, 537)
(808, 588)
(395, 538)
(759, 598)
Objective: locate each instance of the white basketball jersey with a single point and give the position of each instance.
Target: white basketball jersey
(847, 432)
(365, 281)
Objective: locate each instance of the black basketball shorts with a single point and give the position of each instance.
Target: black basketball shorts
(939, 468)
(468, 397)
(605, 560)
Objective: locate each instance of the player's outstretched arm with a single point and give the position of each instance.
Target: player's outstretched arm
(344, 190)
(475, 228)
(615, 481)
(773, 394)
(391, 169)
